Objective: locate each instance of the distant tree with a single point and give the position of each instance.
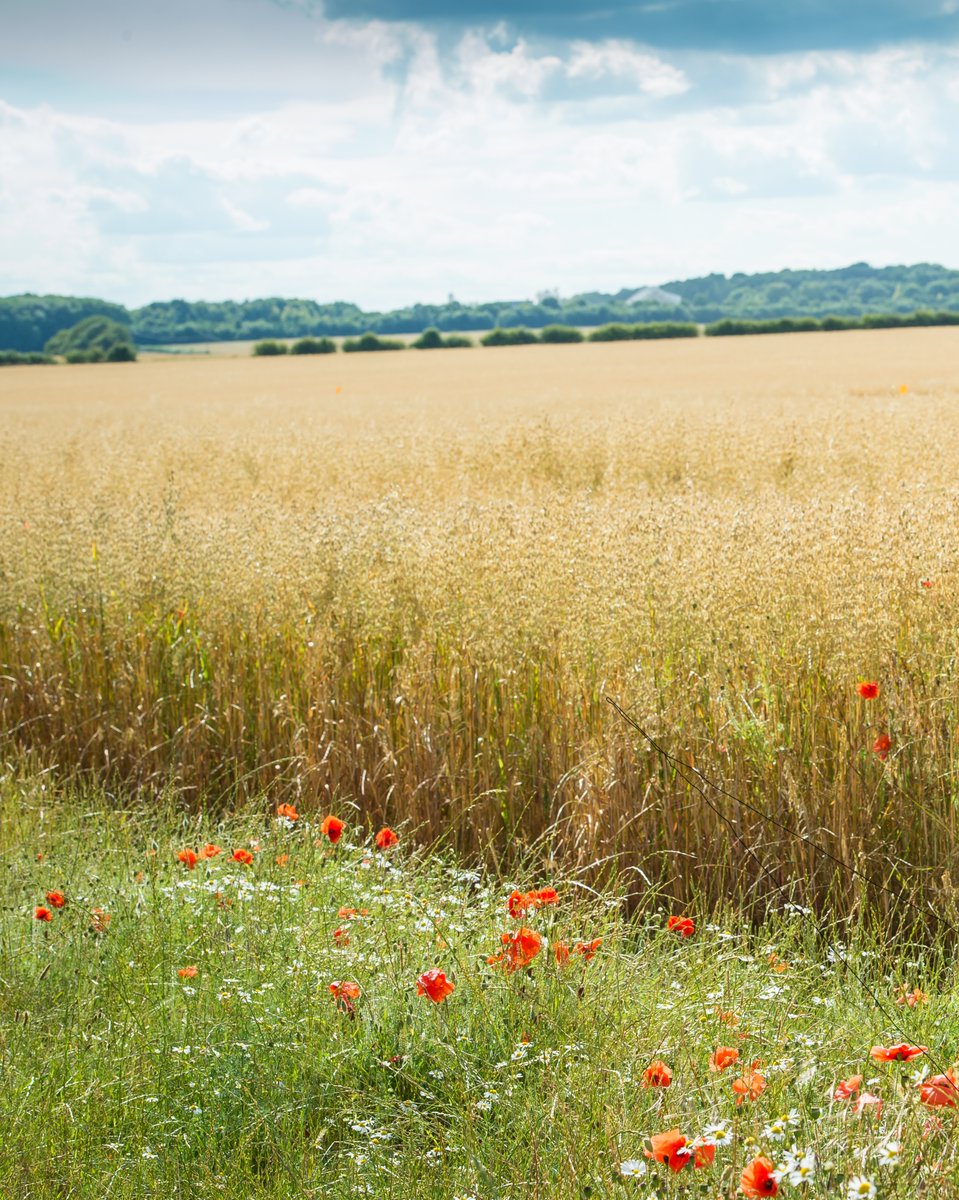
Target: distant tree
(268, 349)
(560, 333)
(309, 345)
(94, 339)
(369, 341)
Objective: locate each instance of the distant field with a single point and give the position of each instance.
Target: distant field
(407, 583)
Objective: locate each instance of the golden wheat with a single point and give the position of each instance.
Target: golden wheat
(409, 585)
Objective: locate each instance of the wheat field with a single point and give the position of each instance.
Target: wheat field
(406, 590)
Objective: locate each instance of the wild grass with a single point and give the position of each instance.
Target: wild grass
(405, 590)
(171, 1031)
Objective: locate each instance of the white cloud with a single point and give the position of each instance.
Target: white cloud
(489, 167)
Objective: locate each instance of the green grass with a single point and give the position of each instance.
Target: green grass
(123, 1079)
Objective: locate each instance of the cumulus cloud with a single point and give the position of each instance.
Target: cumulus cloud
(401, 160)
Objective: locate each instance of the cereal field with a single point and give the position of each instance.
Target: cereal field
(330, 868)
(407, 587)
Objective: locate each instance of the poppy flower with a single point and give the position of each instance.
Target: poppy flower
(901, 1053)
(750, 1085)
(344, 992)
(684, 926)
(928, 583)
(657, 1074)
(911, 998)
(433, 983)
(386, 838)
(282, 860)
(669, 1148)
(521, 948)
(758, 1178)
(42, 914)
(847, 1088)
(242, 856)
(287, 811)
(880, 746)
(561, 953)
(210, 850)
(868, 689)
(188, 858)
(99, 920)
(588, 949)
(350, 913)
(520, 903)
(940, 1091)
(723, 1057)
(56, 899)
(676, 1151)
(341, 936)
(332, 828)
(867, 1102)
(188, 972)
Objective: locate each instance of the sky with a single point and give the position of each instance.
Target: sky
(393, 151)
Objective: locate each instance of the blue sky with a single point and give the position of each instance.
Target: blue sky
(389, 151)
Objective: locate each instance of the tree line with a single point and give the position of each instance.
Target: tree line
(27, 322)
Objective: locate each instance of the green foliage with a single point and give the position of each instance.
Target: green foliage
(26, 322)
(560, 333)
(370, 341)
(94, 339)
(268, 349)
(15, 358)
(432, 339)
(509, 337)
(655, 330)
(309, 345)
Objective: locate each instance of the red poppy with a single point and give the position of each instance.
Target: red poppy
(188, 972)
(56, 899)
(657, 1074)
(928, 583)
(561, 952)
(350, 913)
(521, 948)
(188, 858)
(386, 838)
(940, 1091)
(588, 949)
(901, 1053)
(288, 811)
(332, 827)
(868, 689)
(433, 983)
(210, 850)
(242, 856)
(723, 1057)
(750, 1085)
(670, 1148)
(676, 1151)
(341, 936)
(42, 914)
(684, 926)
(758, 1178)
(916, 996)
(344, 992)
(847, 1088)
(881, 746)
(867, 1102)
(282, 860)
(520, 903)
